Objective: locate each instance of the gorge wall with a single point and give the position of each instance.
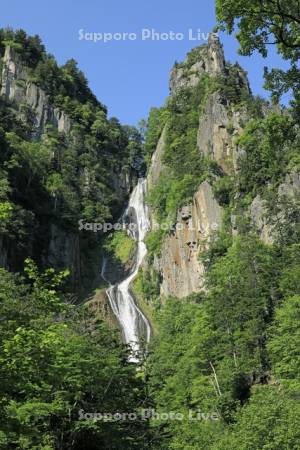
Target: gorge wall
(58, 123)
(221, 122)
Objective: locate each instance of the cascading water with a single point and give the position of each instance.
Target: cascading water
(134, 324)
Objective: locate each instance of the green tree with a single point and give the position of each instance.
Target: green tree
(58, 364)
(285, 341)
(261, 24)
(270, 421)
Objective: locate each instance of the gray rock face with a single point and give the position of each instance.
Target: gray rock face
(181, 271)
(179, 265)
(156, 166)
(291, 186)
(258, 213)
(16, 87)
(64, 251)
(11, 72)
(218, 127)
(220, 122)
(288, 190)
(64, 248)
(123, 182)
(210, 60)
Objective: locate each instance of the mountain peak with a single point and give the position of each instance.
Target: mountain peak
(208, 58)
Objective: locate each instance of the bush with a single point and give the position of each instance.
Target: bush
(222, 189)
(121, 246)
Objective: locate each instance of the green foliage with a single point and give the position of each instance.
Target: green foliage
(283, 215)
(222, 189)
(268, 145)
(156, 121)
(233, 85)
(30, 48)
(52, 181)
(185, 165)
(234, 348)
(284, 343)
(289, 283)
(146, 289)
(121, 246)
(194, 56)
(181, 378)
(270, 421)
(55, 362)
(280, 82)
(147, 285)
(211, 352)
(65, 81)
(219, 244)
(261, 24)
(241, 293)
(154, 240)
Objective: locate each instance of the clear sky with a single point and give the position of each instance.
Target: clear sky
(128, 76)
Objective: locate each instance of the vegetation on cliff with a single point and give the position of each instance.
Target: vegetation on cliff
(232, 349)
(49, 183)
(229, 352)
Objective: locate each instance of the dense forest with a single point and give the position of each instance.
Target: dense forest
(222, 370)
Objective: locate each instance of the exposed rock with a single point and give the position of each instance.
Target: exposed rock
(123, 181)
(258, 213)
(12, 72)
(288, 190)
(64, 252)
(215, 55)
(179, 265)
(210, 60)
(156, 166)
(181, 271)
(16, 87)
(220, 122)
(99, 309)
(217, 128)
(59, 249)
(291, 186)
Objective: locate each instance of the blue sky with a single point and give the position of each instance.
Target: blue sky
(127, 76)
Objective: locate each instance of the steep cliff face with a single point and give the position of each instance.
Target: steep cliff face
(287, 196)
(220, 123)
(205, 59)
(156, 165)
(63, 246)
(51, 239)
(179, 264)
(267, 206)
(16, 88)
(218, 127)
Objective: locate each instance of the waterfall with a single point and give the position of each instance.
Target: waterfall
(133, 322)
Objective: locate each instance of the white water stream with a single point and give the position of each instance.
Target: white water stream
(134, 324)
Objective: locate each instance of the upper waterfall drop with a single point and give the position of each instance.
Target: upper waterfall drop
(134, 324)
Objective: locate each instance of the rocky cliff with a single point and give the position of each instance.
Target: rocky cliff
(16, 87)
(178, 264)
(205, 59)
(52, 239)
(288, 196)
(221, 122)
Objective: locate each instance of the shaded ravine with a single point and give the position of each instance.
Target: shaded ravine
(133, 323)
